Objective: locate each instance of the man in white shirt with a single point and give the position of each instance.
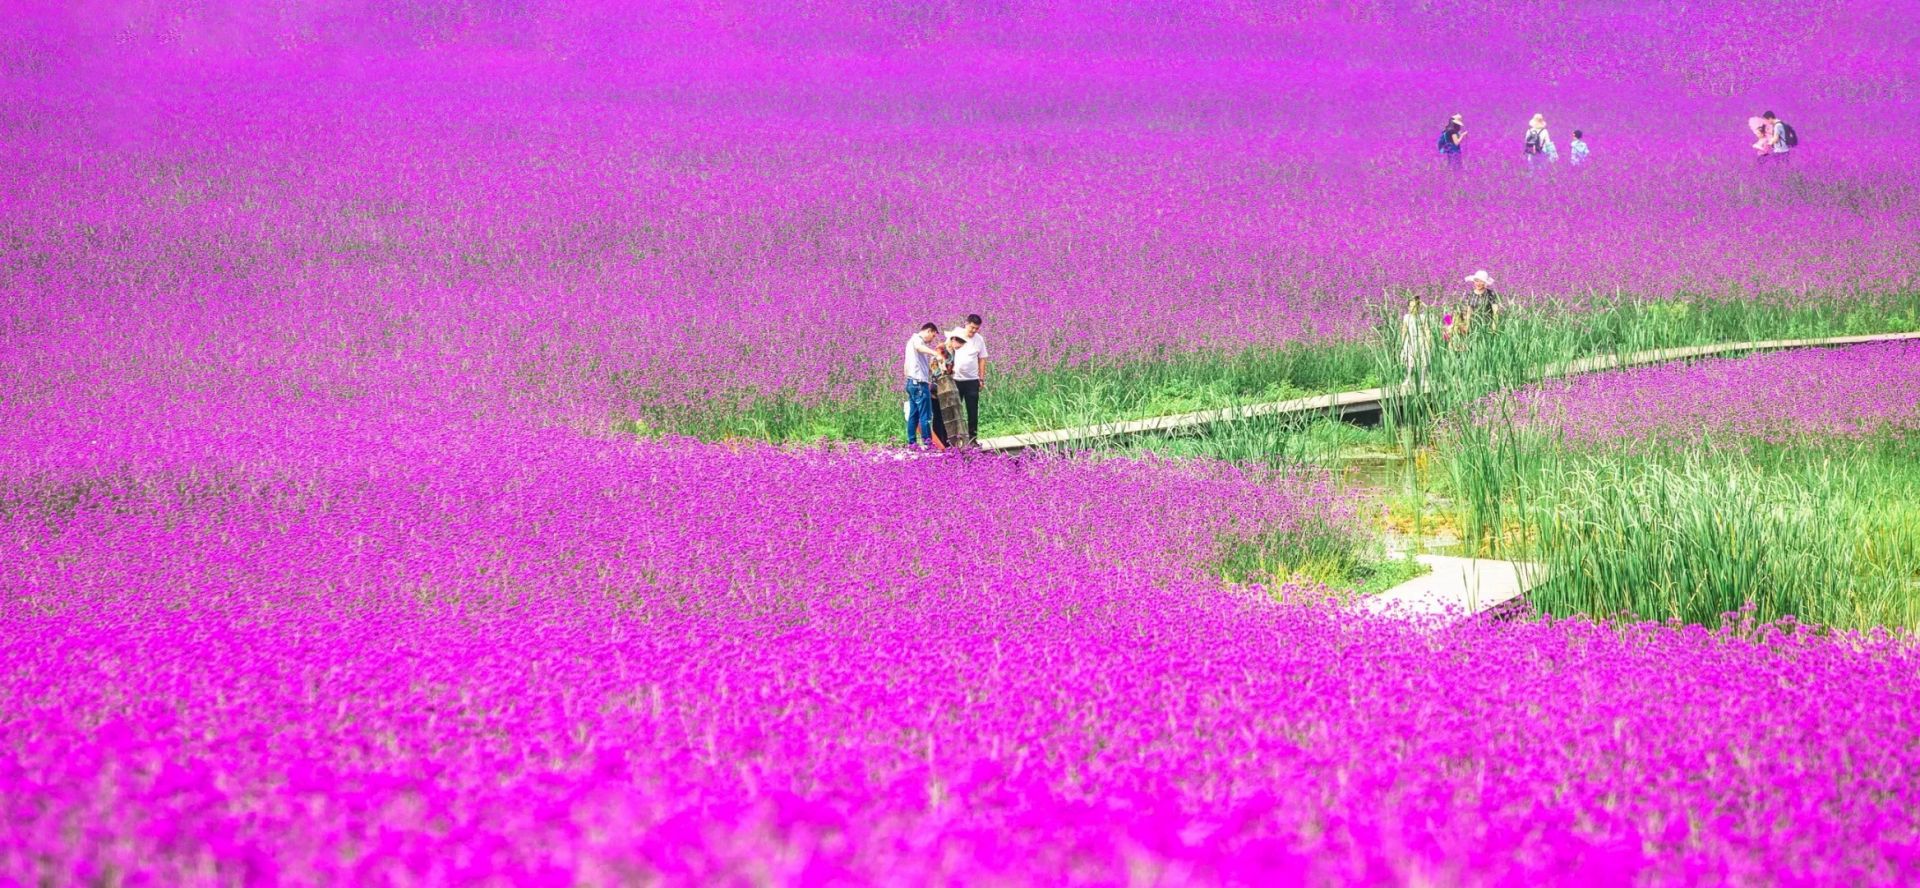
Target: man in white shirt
(919, 371)
(969, 366)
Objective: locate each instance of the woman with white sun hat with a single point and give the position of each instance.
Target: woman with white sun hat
(1481, 301)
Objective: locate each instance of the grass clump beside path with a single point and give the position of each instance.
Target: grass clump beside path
(1823, 532)
(1783, 485)
(1342, 559)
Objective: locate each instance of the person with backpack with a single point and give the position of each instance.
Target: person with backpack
(1451, 136)
(1539, 147)
(1777, 138)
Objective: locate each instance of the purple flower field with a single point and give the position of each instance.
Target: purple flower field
(318, 566)
(1777, 398)
(714, 204)
(563, 662)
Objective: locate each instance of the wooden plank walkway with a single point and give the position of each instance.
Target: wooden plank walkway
(1368, 400)
(1458, 589)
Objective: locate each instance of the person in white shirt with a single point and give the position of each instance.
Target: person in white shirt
(919, 352)
(969, 367)
(1416, 339)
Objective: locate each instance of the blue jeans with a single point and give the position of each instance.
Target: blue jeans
(919, 412)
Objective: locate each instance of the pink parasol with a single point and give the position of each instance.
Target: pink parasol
(1755, 124)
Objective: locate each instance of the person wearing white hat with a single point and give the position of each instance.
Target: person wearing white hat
(1539, 146)
(950, 428)
(1482, 301)
(1451, 139)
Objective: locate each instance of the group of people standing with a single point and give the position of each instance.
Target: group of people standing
(1477, 315)
(943, 384)
(1538, 146)
(1775, 139)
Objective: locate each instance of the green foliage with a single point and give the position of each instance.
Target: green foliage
(1825, 532)
(1337, 558)
(1263, 440)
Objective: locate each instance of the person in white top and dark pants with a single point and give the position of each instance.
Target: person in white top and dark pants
(969, 366)
(920, 352)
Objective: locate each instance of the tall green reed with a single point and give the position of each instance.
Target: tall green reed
(1827, 532)
(1693, 535)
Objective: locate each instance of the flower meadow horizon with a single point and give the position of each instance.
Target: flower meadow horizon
(702, 209)
(318, 564)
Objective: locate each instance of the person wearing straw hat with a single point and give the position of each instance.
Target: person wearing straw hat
(1539, 143)
(1482, 301)
(950, 426)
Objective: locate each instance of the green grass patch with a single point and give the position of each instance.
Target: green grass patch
(1343, 559)
(1375, 577)
(1265, 440)
(1824, 532)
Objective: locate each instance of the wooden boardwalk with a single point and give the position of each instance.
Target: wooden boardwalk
(1458, 589)
(1367, 401)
